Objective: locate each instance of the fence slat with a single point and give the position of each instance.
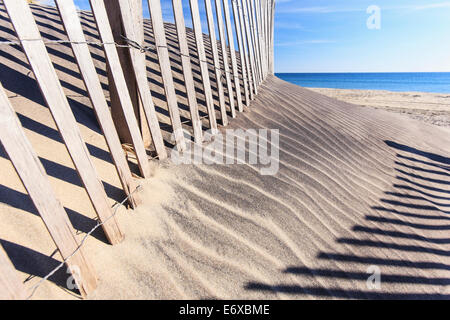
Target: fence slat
(196, 23)
(254, 37)
(11, 288)
(245, 69)
(112, 57)
(166, 71)
(244, 15)
(272, 29)
(138, 60)
(216, 61)
(32, 174)
(117, 28)
(259, 6)
(81, 52)
(224, 53)
(34, 48)
(187, 69)
(266, 34)
(234, 68)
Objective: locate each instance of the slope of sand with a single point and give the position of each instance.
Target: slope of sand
(357, 188)
(432, 108)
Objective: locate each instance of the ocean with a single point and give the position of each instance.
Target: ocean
(438, 82)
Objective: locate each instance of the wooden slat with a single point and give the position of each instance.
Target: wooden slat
(237, 83)
(34, 48)
(32, 174)
(104, 30)
(216, 61)
(266, 33)
(166, 71)
(259, 6)
(187, 69)
(271, 53)
(259, 25)
(11, 288)
(117, 28)
(245, 68)
(138, 60)
(224, 53)
(81, 52)
(196, 23)
(244, 15)
(254, 37)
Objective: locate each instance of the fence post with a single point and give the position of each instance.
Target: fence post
(32, 174)
(245, 69)
(237, 82)
(250, 16)
(120, 84)
(216, 61)
(187, 69)
(11, 288)
(72, 25)
(260, 22)
(196, 23)
(166, 71)
(272, 28)
(131, 12)
(224, 52)
(41, 65)
(244, 15)
(117, 28)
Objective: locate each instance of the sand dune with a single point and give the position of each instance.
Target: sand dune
(432, 108)
(356, 188)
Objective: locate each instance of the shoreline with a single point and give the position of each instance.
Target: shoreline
(432, 108)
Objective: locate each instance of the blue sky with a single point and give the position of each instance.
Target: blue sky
(332, 35)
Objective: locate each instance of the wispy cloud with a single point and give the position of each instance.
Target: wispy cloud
(433, 6)
(288, 25)
(336, 9)
(324, 9)
(302, 42)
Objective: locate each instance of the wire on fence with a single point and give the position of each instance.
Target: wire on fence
(99, 224)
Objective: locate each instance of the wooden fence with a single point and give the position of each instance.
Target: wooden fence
(251, 30)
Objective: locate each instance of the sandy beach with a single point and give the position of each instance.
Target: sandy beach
(432, 108)
(361, 186)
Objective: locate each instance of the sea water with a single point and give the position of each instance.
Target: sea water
(438, 82)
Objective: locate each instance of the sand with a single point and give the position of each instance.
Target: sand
(357, 189)
(432, 108)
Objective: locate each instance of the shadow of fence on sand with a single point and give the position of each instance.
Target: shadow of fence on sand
(419, 202)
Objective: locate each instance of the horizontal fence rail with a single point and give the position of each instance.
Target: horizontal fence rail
(230, 76)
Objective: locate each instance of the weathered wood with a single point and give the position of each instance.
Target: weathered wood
(266, 34)
(115, 68)
(237, 82)
(131, 12)
(216, 61)
(81, 52)
(254, 37)
(245, 69)
(244, 14)
(32, 174)
(224, 53)
(259, 6)
(41, 65)
(117, 29)
(271, 52)
(187, 69)
(196, 23)
(166, 72)
(11, 288)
